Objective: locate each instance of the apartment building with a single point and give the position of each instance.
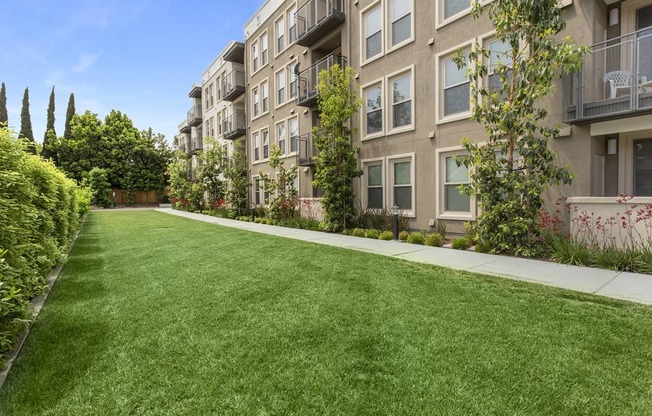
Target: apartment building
(416, 101)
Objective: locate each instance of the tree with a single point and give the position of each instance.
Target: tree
(26, 123)
(336, 165)
(211, 171)
(237, 187)
(4, 118)
(70, 112)
(50, 132)
(281, 184)
(180, 182)
(514, 167)
(100, 187)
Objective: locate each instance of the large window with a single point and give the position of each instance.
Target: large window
(255, 101)
(280, 87)
(254, 56)
(401, 100)
(454, 176)
(264, 46)
(401, 20)
(375, 185)
(402, 183)
(292, 25)
(374, 113)
(280, 136)
(293, 126)
(264, 87)
(456, 88)
(373, 32)
(453, 7)
(280, 35)
(256, 140)
(265, 135)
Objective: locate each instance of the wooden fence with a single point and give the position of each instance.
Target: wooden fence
(142, 197)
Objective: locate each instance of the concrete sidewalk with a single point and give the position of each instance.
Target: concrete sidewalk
(620, 285)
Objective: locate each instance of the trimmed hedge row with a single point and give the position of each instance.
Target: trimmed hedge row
(40, 212)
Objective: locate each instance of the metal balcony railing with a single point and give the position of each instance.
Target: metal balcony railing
(316, 18)
(194, 115)
(309, 79)
(197, 144)
(233, 85)
(235, 125)
(615, 79)
(307, 150)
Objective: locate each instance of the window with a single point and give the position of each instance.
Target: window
(455, 176)
(293, 126)
(210, 92)
(373, 32)
(401, 19)
(292, 25)
(263, 49)
(374, 113)
(219, 124)
(208, 100)
(292, 80)
(402, 100)
(499, 54)
(453, 7)
(254, 56)
(280, 87)
(402, 184)
(643, 167)
(375, 185)
(265, 94)
(280, 136)
(280, 35)
(211, 125)
(265, 134)
(256, 140)
(456, 88)
(256, 101)
(257, 190)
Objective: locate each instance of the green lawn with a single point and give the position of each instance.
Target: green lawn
(159, 315)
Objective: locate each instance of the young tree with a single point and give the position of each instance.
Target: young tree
(180, 182)
(211, 172)
(70, 112)
(237, 187)
(514, 167)
(50, 132)
(281, 184)
(336, 165)
(4, 118)
(26, 123)
(100, 187)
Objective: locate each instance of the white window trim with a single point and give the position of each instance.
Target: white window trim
(390, 102)
(440, 173)
(277, 52)
(255, 43)
(260, 45)
(363, 44)
(363, 114)
(364, 194)
(440, 80)
(259, 192)
(389, 32)
(289, 73)
(254, 116)
(278, 138)
(253, 148)
(260, 86)
(288, 135)
(262, 144)
(440, 21)
(285, 88)
(390, 181)
(287, 24)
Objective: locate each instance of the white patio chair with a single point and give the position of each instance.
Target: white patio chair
(618, 80)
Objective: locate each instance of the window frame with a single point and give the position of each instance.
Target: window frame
(440, 76)
(390, 101)
(363, 37)
(285, 137)
(255, 56)
(365, 163)
(440, 190)
(364, 113)
(290, 75)
(264, 146)
(264, 95)
(290, 13)
(290, 136)
(257, 190)
(255, 139)
(279, 35)
(391, 161)
(277, 85)
(255, 102)
(390, 26)
(264, 48)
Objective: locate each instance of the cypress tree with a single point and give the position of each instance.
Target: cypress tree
(47, 152)
(26, 123)
(3, 105)
(69, 113)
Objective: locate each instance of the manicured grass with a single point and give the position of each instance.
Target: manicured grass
(159, 315)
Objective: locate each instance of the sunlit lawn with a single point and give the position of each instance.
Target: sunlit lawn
(159, 315)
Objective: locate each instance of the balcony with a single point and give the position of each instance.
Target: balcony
(197, 144)
(317, 18)
(615, 80)
(194, 116)
(307, 150)
(195, 91)
(309, 79)
(184, 127)
(235, 53)
(234, 126)
(233, 85)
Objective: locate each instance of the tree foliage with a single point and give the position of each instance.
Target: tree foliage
(100, 187)
(237, 185)
(50, 131)
(4, 118)
(336, 165)
(212, 161)
(70, 112)
(26, 123)
(281, 184)
(514, 167)
(180, 179)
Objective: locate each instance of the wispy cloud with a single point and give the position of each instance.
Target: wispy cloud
(85, 62)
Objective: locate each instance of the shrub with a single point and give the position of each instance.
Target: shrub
(568, 251)
(482, 247)
(434, 240)
(347, 231)
(358, 232)
(403, 236)
(300, 222)
(372, 234)
(258, 220)
(416, 238)
(386, 235)
(461, 243)
(379, 219)
(99, 183)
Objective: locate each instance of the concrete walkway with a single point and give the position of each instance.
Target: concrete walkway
(620, 285)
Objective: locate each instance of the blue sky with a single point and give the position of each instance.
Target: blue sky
(137, 56)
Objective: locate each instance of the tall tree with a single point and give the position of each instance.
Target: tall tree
(67, 133)
(512, 169)
(4, 118)
(47, 152)
(26, 123)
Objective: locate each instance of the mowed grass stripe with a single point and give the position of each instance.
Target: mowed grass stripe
(160, 315)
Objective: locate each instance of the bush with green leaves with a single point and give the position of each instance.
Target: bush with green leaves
(372, 234)
(461, 243)
(358, 232)
(40, 213)
(403, 236)
(379, 219)
(347, 231)
(386, 236)
(416, 238)
(434, 240)
(98, 181)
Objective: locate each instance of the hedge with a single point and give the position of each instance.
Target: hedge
(40, 212)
